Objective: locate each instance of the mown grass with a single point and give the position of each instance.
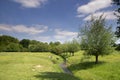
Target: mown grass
(84, 68)
(31, 66)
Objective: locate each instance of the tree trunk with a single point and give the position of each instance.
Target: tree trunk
(72, 53)
(96, 59)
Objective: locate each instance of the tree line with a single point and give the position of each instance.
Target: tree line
(12, 44)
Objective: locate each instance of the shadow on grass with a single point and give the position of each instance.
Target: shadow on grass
(55, 76)
(84, 65)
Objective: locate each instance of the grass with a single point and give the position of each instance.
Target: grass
(30, 66)
(84, 68)
(38, 66)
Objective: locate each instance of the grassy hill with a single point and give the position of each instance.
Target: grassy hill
(85, 69)
(31, 66)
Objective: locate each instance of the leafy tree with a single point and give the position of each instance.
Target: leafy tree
(117, 13)
(25, 43)
(5, 40)
(34, 42)
(53, 44)
(39, 47)
(58, 50)
(72, 47)
(13, 47)
(96, 37)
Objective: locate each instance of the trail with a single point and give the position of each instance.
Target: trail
(65, 69)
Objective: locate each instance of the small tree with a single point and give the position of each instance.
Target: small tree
(96, 37)
(73, 46)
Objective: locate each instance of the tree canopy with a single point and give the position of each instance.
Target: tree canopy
(96, 37)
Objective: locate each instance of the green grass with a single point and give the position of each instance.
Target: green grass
(31, 66)
(108, 67)
(38, 66)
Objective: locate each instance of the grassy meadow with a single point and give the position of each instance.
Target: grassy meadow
(84, 68)
(39, 66)
(31, 66)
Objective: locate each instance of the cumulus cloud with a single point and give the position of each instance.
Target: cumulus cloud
(107, 15)
(31, 3)
(93, 6)
(62, 34)
(5, 27)
(23, 28)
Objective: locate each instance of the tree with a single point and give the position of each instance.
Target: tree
(5, 40)
(72, 46)
(117, 13)
(25, 43)
(13, 47)
(96, 37)
(39, 47)
(58, 50)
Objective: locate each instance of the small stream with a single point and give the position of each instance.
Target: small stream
(65, 69)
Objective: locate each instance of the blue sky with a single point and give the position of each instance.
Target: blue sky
(50, 20)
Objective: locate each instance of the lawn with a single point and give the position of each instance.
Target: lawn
(85, 69)
(31, 66)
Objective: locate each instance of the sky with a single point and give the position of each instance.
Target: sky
(51, 20)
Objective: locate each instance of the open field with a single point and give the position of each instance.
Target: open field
(85, 69)
(31, 66)
(38, 66)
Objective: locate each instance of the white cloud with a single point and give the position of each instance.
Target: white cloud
(42, 38)
(80, 15)
(5, 27)
(107, 15)
(24, 29)
(93, 6)
(30, 3)
(64, 35)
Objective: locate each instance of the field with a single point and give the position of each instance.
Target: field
(85, 69)
(30, 66)
(39, 66)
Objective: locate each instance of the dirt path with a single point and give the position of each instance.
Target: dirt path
(65, 69)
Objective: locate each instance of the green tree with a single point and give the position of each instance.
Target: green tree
(58, 50)
(25, 43)
(117, 13)
(5, 40)
(72, 46)
(96, 37)
(13, 47)
(39, 47)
